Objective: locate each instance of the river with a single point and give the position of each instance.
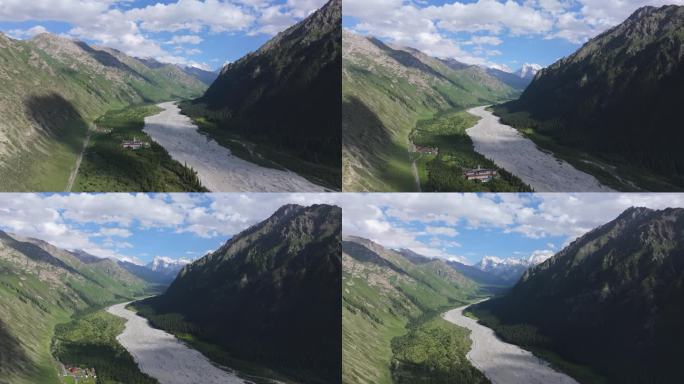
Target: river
(162, 356)
(217, 168)
(501, 362)
(510, 150)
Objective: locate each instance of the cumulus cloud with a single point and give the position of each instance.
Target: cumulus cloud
(432, 28)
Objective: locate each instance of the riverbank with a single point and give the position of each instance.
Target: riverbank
(519, 155)
(504, 363)
(162, 356)
(217, 168)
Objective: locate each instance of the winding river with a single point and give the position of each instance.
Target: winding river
(510, 150)
(217, 168)
(501, 362)
(162, 356)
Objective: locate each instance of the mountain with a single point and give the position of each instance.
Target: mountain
(207, 77)
(392, 329)
(42, 285)
(511, 268)
(167, 266)
(514, 80)
(385, 91)
(616, 98)
(52, 88)
(270, 295)
(528, 71)
(483, 278)
(611, 300)
(284, 98)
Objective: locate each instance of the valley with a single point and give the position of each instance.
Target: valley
(404, 119)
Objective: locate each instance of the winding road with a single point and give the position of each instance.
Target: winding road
(74, 172)
(501, 362)
(510, 150)
(162, 356)
(217, 168)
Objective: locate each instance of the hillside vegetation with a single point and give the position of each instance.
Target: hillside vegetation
(284, 99)
(391, 324)
(268, 298)
(52, 88)
(612, 107)
(386, 90)
(608, 307)
(42, 286)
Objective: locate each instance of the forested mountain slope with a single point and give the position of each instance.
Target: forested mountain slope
(611, 300)
(618, 97)
(269, 296)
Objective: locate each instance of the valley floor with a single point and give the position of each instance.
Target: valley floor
(218, 169)
(163, 357)
(501, 362)
(519, 155)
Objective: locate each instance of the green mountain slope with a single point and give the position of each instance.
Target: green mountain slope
(611, 300)
(391, 328)
(618, 98)
(285, 98)
(386, 91)
(51, 90)
(42, 286)
(269, 297)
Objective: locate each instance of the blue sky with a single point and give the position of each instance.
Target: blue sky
(203, 33)
(468, 227)
(138, 227)
(496, 33)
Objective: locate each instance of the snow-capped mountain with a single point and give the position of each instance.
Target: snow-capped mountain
(167, 265)
(528, 71)
(511, 268)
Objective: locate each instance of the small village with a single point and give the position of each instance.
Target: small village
(134, 144)
(77, 375)
(481, 174)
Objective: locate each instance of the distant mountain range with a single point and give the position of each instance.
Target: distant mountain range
(511, 268)
(618, 98)
(528, 71)
(42, 285)
(386, 89)
(269, 296)
(52, 88)
(611, 300)
(284, 98)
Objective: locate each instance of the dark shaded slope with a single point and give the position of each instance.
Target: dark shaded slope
(617, 97)
(611, 300)
(286, 95)
(270, 295)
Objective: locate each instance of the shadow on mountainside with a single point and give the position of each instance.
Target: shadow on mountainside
(365, 136)
(13, 359)
(58, 118)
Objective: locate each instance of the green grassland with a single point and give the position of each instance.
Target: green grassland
(89, 341)
(392, 330)
(381, 109)
(529, 337)
(36, 296)
(106, 166)
(444, 172)
(612, 171)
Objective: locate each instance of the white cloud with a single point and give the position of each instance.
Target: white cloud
(192, 15)
(27, 33)
(185, 39)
